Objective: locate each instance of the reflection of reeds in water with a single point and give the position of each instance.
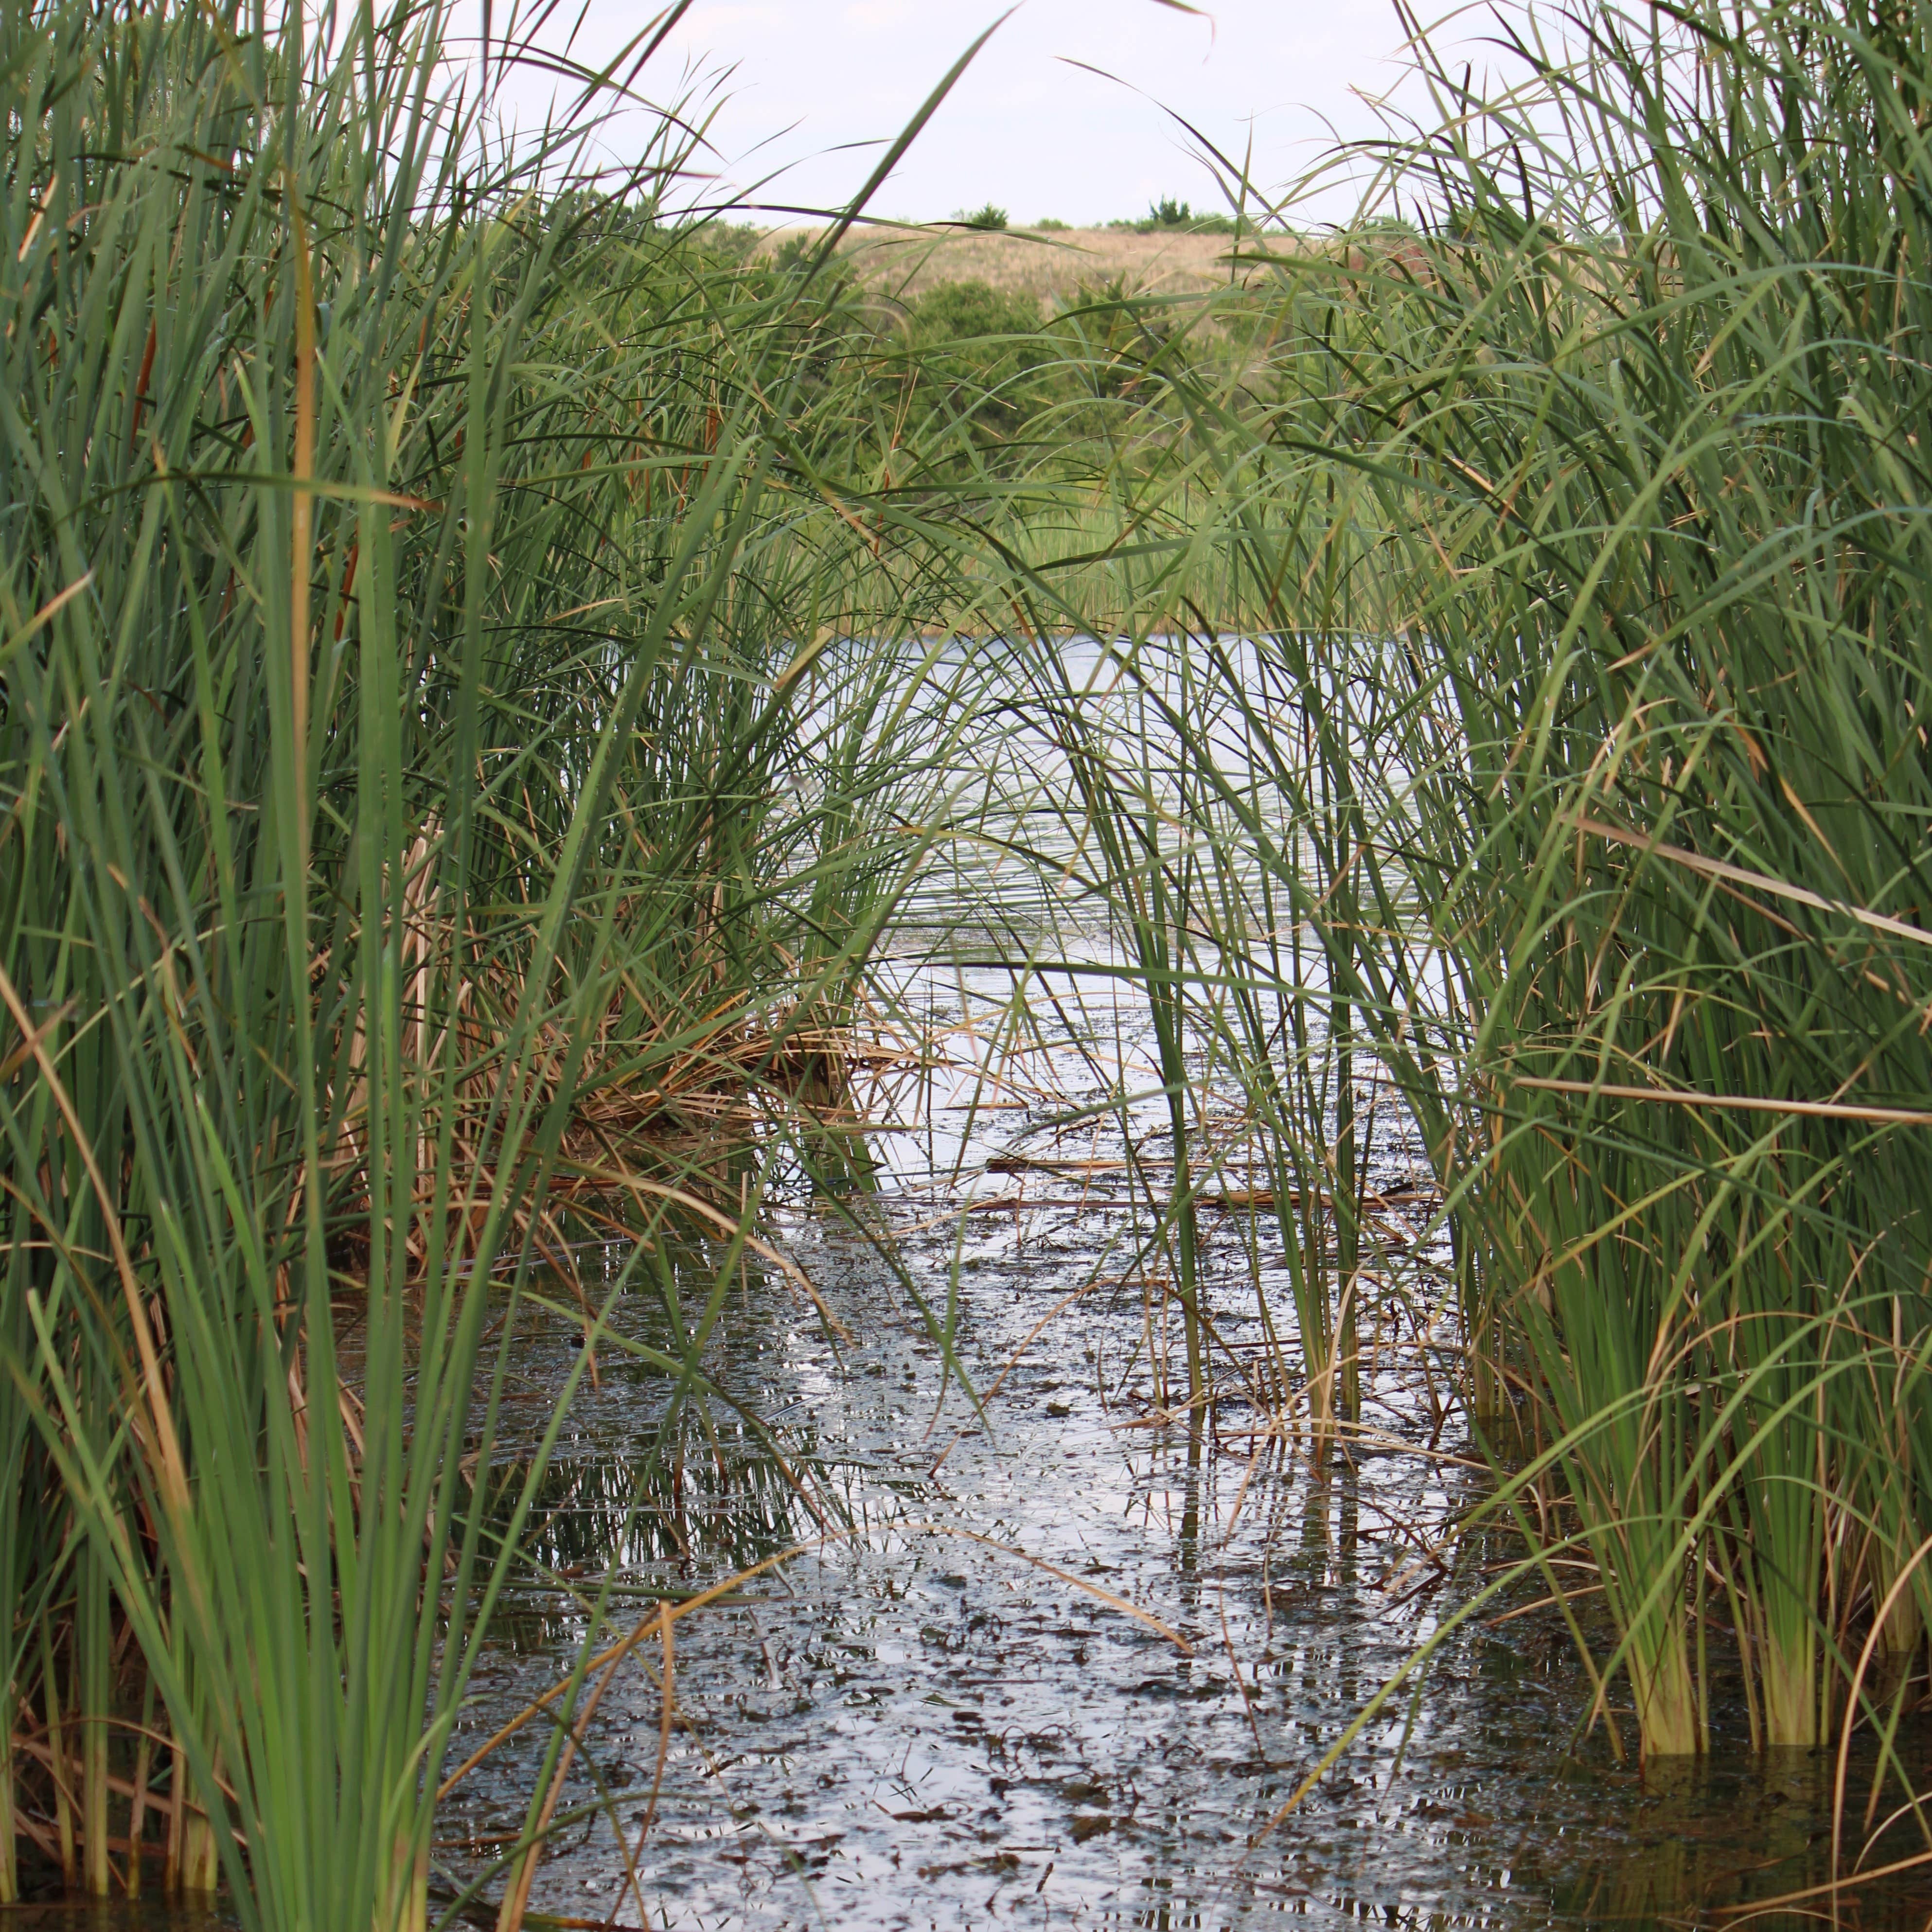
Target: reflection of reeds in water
(680, 1514)
(1730, 1853)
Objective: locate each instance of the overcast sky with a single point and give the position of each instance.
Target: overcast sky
(812, 88)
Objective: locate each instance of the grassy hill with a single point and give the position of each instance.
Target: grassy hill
(1050, 265)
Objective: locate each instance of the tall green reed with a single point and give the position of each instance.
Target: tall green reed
(1600, 480)
(419, 830)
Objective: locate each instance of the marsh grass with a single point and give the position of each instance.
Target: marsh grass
(432, 834)
(1579, 534)
(1525, 706)
(488, 664)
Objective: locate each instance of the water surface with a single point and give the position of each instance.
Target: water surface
(942, 1710)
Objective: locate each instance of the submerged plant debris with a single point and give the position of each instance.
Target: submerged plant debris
(1029, 1663)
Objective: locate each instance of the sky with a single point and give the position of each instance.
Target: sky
(810, 91)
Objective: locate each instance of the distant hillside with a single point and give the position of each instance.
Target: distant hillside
(1055, 265)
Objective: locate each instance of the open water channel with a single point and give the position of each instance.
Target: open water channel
(1031, 1664)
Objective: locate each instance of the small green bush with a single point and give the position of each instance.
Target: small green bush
(981, 355)
(961, 311)
(1169, 216)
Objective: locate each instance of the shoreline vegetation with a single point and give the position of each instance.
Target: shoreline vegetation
(471, 715)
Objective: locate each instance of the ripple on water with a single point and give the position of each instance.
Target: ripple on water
(910, 1725)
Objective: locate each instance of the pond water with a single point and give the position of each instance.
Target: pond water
(1035, 1660)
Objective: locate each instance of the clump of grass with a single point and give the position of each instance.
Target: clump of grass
(434, 828)
(1574, 522)
(1599, 483)
(1705, 1235)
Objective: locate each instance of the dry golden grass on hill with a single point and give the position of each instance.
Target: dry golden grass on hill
(907, 262)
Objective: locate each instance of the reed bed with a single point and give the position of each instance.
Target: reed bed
(488, 664)
(1555, 739)
(432, 833)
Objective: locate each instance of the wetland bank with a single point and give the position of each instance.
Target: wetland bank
(833, 1108)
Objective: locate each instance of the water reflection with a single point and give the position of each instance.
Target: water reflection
(912, 1725)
